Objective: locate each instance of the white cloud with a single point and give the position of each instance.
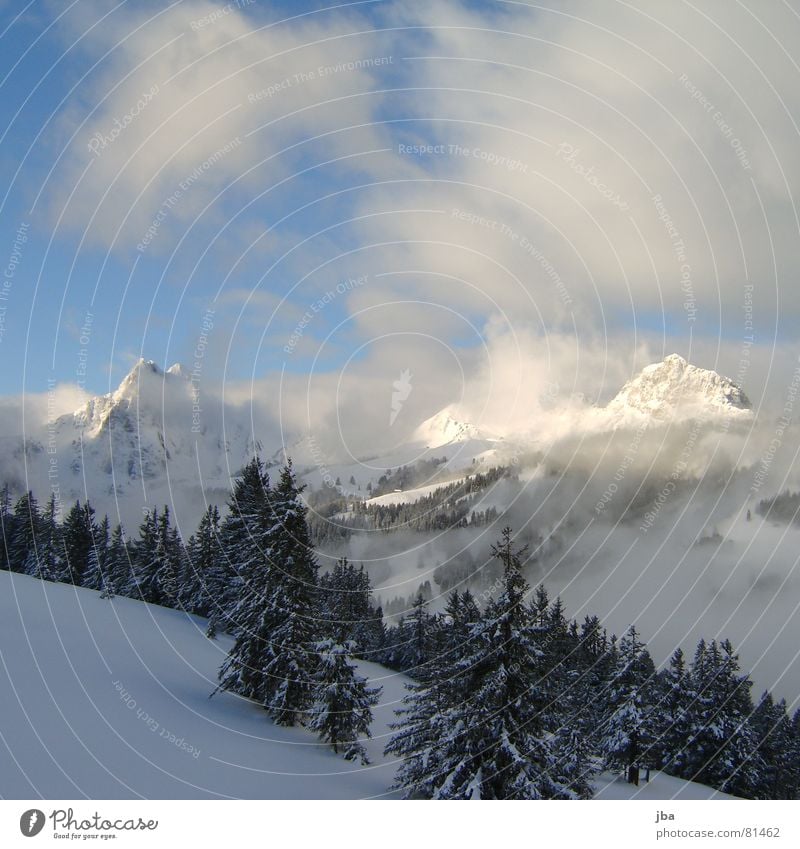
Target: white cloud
(540, 227)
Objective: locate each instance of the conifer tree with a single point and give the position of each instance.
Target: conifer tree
(247, 539)
(721, 746)
(78, 533)
(346, 608)
(420, 633)
(26, 530)
(205, 567)
(493, 743)
(629, 727)
(341, 712)
(118, 564)
(777, 749)
(94, 577)
(6, 525)
(168, 562)
(290, 661)
(50, 547)
(576, 763)
(674, 697)
(143, 555)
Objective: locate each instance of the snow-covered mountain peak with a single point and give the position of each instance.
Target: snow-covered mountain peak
(446, 427)
(674, 386)
(178, 370)
(143, 374)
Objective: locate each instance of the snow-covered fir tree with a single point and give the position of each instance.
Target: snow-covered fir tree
(576, 762)
(26, 528)
(6, 525)
(50, 562)
(94, 577)
(169, 562)
(290, 660)
(118, 563)
(778, 749)
(628, 730)
(248, 540)
(492, 743)
(721, 748)
(347, 611)
(144, 579)
(341, 712)
(205, 576)
(78, 533)
(673, 698)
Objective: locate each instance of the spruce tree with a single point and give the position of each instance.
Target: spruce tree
(26, 530)
(435, 693)
(341, 711)
(6, 525)
(674, 697)
(78, 533)
(576, 762)
(205, 570)
(118, 573)
(721, 748)
(777, 749)
(629, 727)
(290, 662)
(169, 562)
(50, 546)
(420, 632)
(346, 609)
(492, 743)
(94, 577)
(247, 539)
(144, 584)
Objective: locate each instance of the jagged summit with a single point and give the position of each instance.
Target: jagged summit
(178, 370)
(446, 427)
(136, 379)
(674, 386)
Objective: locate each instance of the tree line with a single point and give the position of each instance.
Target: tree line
(509, 698)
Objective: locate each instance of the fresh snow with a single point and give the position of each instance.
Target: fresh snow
(409, 496)
(660, 787)
(109, 699)
(69, 732)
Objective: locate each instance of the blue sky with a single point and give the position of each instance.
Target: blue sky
(310, 184)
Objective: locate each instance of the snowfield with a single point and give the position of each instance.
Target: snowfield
(410, 496)
(660, 787)
(108, 699)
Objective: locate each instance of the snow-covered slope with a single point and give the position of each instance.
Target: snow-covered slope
(660, 787)
(675, 389)
(109, 699)
(409, 496)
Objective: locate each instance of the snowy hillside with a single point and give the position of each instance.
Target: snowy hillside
(661, 786)
(109, 699)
